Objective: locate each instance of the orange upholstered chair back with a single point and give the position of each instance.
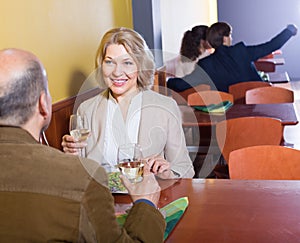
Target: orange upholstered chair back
(181, 97)
(238, 90)
(243, 132)
(266, 162)
(268, 95)
(204, 98)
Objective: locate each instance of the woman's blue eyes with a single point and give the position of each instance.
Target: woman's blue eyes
(108, 62)
(128, 63)
(111, 62)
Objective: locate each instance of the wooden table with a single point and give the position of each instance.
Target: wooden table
(234, 210)
(284, 111)
(278, 77)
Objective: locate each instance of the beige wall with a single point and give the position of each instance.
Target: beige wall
(64, 34)
(177, 16)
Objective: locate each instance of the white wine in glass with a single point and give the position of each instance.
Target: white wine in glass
(79, 128)
(130, 162)
(80, 134)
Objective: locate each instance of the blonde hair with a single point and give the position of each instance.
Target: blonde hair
(136, 46)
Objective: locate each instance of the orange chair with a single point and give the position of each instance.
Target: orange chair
(266, 162)
(268, 95)
(238, 90)
(265, 66)
(181, 97)
(243, 132)
(204, 98)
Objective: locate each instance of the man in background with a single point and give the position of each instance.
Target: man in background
(49, 196)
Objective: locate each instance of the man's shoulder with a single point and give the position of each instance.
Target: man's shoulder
(78, 164)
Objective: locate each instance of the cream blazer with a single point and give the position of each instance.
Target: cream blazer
(160, 131)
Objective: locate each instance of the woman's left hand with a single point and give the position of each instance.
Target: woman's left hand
(159, 167)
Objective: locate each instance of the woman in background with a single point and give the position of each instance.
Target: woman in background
(193, 47)
(229, 64)
(129, 112)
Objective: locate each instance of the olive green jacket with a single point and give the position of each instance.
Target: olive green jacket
(49, 196)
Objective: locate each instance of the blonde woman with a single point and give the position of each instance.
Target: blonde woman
(129, 112)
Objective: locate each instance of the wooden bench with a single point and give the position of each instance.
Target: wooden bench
(61, 112)
(160, 81)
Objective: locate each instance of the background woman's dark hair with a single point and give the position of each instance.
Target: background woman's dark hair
(190, 43)
(216, 32)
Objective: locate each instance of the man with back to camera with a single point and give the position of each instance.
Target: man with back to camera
(47, 195)
(229, 64)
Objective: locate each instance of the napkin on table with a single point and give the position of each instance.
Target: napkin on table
(215, 108)
(172, 213)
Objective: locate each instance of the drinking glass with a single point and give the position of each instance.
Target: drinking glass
(79, 129)
(130, 162)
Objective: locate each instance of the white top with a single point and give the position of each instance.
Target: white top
(176, 68)
(117, 130)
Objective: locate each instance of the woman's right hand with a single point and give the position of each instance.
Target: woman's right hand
(71, 146)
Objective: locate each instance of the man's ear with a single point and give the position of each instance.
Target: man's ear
(44, 105)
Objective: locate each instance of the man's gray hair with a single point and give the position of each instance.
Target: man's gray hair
(19, 98)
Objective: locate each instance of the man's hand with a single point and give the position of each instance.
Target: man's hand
(148, 188)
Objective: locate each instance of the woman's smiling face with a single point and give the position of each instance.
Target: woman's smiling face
(119, 71)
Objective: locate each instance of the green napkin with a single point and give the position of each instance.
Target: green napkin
(172, 213)
(215, 108)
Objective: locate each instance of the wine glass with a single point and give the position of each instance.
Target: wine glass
(130, 162)
(79, 129)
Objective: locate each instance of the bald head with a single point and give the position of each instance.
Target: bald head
(13, 62)
(22, 79)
